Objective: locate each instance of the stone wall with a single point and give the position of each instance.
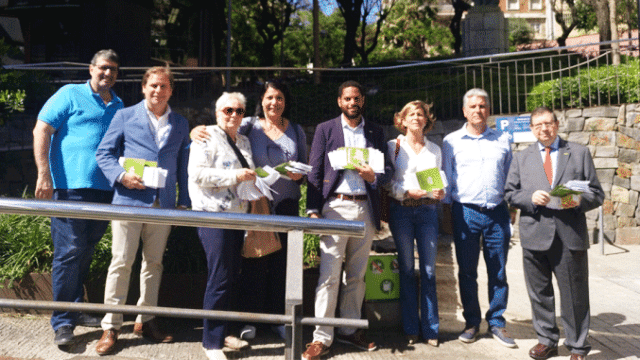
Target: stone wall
(612, 134)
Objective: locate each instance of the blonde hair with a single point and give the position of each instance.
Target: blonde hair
(413, 105)
(158, 70)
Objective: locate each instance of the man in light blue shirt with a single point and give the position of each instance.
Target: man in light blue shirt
(476, 161)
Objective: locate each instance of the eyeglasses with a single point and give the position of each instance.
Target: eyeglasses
(545, 124)
(229, 111)
(106, 67)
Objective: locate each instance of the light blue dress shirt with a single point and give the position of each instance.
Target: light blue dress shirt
(476, 166)
(553, 153)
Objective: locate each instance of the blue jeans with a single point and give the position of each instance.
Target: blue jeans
(469, 222)
(73, 243)
(419, 223)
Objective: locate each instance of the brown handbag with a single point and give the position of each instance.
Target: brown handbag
(260, 243)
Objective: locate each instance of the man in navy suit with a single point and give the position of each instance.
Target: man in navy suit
(149, 131)
(344, 195)
(554, 241)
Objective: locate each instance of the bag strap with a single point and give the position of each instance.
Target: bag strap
(397, 149)
(241, 158)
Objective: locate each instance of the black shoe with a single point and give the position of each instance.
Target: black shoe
(89, 320)
(64, 335)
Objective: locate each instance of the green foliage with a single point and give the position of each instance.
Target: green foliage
(586, 16)
(311, 248)
(298, 41)
(588, 86)
(520, 32)
(26, 247)
(411, 33)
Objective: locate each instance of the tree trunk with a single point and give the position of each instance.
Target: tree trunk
(615, 47)
(351, 12)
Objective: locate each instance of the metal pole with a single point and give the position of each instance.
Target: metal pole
(293, 295)
(601, 232)
(85, 210)
(228, 82)
(178, 313)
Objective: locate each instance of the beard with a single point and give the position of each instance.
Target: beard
(355, 113)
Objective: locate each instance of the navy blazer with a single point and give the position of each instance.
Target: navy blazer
(129, 135)
(323, 179)
(539, 224)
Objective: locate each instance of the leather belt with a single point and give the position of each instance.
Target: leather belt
(419, 202)
(481, 208)
(351, 197)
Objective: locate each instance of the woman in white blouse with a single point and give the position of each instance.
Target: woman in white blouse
(413, 215)
(215, 170)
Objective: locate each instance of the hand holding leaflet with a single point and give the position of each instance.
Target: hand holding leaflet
(152, 176)
(428, 180)
(348, 157)
(568, 195)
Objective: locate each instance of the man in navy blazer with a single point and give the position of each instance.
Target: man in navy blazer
(344, 195)
(554, 241)
(149, 131)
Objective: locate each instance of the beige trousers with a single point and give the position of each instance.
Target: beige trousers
(126, 239)
(354, 251)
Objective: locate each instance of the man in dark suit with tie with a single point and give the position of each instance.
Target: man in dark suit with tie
(344, 195)
(554, 241)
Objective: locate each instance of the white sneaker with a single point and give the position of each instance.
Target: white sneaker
(215, 354)
(248, 332)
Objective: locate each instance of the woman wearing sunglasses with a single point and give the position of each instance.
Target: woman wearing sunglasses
(274, 140)
(216, 167)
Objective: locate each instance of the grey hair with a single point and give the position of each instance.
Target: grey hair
(226, 96)
(107, 54)
(475, 92)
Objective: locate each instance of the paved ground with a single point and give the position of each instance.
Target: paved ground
(615, 326)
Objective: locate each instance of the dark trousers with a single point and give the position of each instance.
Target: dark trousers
(571, 269)
(263, 284)
(222, 249)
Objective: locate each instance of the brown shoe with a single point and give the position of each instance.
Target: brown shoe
(315, 350)
(107, 343)
(357, 339)
(543, 352)
(151, 331)
(575, 356)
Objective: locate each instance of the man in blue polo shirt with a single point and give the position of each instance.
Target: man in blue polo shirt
(69, 129)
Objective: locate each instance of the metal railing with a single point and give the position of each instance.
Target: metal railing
(577, 76)
(295, 226)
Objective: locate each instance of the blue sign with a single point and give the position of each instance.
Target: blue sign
(517, 127)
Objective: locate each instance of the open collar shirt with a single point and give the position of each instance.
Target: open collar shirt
(476, 166)
(352, 183)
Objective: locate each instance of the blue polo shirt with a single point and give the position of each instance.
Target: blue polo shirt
(81, 119)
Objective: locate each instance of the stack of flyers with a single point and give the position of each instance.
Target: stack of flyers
(294, 167)
(267, 176)
(429, 180)
(349, 157)
(566, 196)
(152, 176)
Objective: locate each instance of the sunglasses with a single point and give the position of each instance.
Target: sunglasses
(229, 111)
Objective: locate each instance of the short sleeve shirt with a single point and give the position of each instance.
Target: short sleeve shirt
(80, 119)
